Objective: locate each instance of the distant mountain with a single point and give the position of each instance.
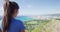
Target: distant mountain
(53, 15)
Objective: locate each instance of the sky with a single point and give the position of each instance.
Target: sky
(35, 7)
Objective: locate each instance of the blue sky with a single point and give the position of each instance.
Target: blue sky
(36, 7)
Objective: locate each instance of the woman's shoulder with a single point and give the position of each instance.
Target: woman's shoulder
(21, 24)
(17, 21)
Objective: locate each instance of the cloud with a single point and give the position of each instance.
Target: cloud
(1, 8)
(1, 11)
(29, 6)
(54, 11)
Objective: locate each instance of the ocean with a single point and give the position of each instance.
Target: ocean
(22, 18)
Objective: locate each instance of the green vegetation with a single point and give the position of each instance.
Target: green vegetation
(35, 25)
(41, 25)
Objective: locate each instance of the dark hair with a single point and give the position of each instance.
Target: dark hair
(8, 10)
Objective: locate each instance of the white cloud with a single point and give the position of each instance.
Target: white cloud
(1, 11)
(29, 6)
(1, 8)
(54, 11)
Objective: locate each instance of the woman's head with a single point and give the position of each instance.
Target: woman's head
(11, 8)
(10, 11)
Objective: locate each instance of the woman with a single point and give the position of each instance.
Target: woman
(10, 24)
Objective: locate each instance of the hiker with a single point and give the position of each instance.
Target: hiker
(9, 23)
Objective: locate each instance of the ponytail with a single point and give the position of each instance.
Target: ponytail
(6, 19)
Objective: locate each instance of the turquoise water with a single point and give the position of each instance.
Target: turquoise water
(24, 18)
